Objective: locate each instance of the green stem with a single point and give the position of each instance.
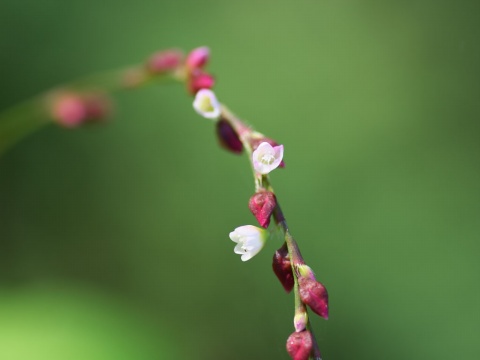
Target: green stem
(21, 120)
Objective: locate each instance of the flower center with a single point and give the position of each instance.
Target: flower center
(267, 159)
(206, 104)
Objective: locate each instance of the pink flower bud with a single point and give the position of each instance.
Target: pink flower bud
(198, 57)
(262, 205)
(299, 345)
(283, 269)
(164, 61)
(314, 295)
(71, 109)
(228, 137)
(200, 80)
(255, 143)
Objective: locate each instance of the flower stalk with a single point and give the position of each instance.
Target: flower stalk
(75, 104)
(296, 345)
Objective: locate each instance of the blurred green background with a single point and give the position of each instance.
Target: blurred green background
(114, 239)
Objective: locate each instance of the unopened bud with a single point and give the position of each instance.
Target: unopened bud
(164, 61)
(283, 269)
(228, 137)
(299, 345)
(315, 295)
(300, 321)
(200, 80)
(198, 57)
(262, 205)
(71, 109)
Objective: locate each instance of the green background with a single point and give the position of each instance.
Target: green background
(114, 238)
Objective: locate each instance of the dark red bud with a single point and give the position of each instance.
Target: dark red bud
(254, 143)
(228, 137)
(314, 295)
(200, 80)
(282, 267)
(299, 345)
(262, 205)
(164, 61)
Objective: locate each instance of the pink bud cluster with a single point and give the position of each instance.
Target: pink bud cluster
(197, 77)
(71, 109)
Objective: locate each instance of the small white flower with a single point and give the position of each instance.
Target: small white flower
(250, 240)
(267, 158)
(206, 104)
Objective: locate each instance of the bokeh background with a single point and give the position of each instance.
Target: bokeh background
(114, 239)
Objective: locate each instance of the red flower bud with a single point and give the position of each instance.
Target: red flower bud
(165, 61)
(299, 345)
(262, 205)
(283, 269)
(228, 137)
(200, 80)
(314, 295)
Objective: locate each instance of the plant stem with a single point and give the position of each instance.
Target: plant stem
(23, 119)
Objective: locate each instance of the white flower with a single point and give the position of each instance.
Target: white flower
(206, 104)
(267, 158)
(250, 240)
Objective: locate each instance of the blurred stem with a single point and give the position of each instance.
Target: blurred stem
(21, 120)
(24, 118)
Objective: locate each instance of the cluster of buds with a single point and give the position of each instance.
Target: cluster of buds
(266, 156)
(174, 63)
(73, 109)
(197, 77)
(301, 344)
